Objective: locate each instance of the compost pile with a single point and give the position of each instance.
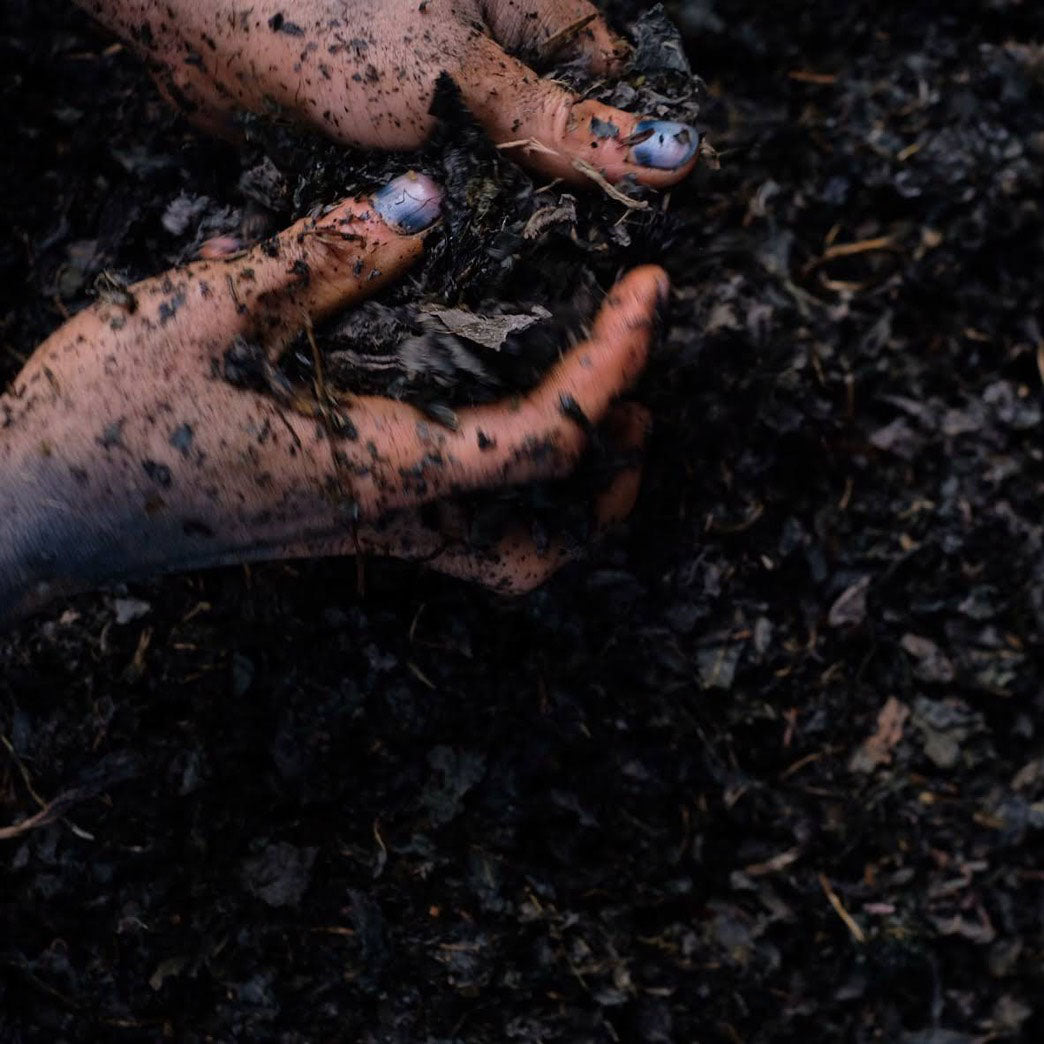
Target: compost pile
(764, 766)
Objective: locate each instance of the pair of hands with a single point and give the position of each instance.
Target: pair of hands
(123, 449)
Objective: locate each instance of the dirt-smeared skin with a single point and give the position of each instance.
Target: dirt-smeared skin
(364, 71)
(126, 450)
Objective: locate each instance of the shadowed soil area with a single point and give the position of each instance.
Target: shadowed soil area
(763, 766)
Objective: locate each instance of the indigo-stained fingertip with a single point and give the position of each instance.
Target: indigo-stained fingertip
(663, 144)
(409, 204)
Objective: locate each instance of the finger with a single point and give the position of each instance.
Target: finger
(550, 130)
(413, 461)
(517, 565)
(312, 269)
(627, 428)
(187, 89)
(176, 468)
(321, 266)
(542, 30)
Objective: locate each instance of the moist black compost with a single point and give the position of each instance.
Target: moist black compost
(765, 766)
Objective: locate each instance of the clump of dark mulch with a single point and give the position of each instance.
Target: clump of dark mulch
(766, 766)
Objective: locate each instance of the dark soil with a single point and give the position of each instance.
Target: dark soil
(768, 766)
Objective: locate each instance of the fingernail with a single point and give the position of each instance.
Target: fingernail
(411, 203)
(664, 144)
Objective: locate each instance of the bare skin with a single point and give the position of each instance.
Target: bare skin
(363, 72)
(126, 452)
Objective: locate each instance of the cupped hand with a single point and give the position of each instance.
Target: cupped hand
(125, 449)
(364, 72)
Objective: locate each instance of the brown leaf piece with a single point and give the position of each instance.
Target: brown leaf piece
(877, 750)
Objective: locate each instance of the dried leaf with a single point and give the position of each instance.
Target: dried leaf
(932, 664)
(491, 331)
(877, 750)
(773, 865)
(564, 213)
(849, 609)
(982, 933)
(897, 438)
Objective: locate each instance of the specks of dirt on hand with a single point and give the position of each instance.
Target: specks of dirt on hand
(181, 439)
(159, 473)
(485, 442)
(604, 128)
(112, 434)
(278, 24)
(245, 364)
(569, 407)
(342, 425)
(193, 527)
(169, 308)
(441, 414)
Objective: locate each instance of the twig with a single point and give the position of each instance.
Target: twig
(807, 76)
(528, 145)
(861, 247)
(420, 676)
(48, 814)
(322, 404)
(839, 909)
(344, 481)
(564, 35)
(773, 865)
(49, 810)
(611, 191)
(808, 759)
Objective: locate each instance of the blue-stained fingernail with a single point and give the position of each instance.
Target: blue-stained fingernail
(410, 204)
(663, 144)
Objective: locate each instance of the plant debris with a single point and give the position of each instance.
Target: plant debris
(278, 804)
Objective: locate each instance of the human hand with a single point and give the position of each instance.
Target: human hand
(364, 73)
(124, 449)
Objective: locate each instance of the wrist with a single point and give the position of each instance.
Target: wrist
(41, 536)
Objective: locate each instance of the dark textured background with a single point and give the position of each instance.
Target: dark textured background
(616, 809)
